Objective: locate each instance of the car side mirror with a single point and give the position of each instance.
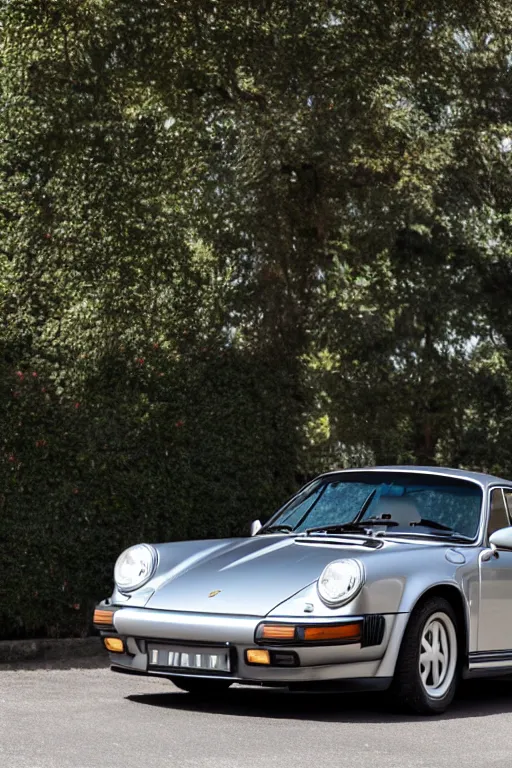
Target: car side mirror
(255, 527)
(501, 539)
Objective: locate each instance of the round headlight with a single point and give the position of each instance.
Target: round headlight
(134, 567)
(340, 581)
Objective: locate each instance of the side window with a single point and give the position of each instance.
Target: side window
(498, 515)
(508, 500)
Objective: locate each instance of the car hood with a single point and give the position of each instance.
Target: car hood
(240, 576)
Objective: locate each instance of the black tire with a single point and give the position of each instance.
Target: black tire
(408, 688)
(200, 686)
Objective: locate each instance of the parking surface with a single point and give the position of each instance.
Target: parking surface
(92, 718)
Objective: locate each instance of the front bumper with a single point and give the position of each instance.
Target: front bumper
(356, 661)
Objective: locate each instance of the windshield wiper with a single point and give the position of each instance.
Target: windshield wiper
(445, 529)
(276, 529)
(370, 522)
(433, 524)
(353, 526)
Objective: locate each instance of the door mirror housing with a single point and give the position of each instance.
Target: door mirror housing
(255, 527)
(502, 539)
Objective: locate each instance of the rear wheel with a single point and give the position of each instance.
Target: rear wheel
(428, 669)
(201, 686)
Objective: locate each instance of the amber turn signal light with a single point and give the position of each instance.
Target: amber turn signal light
(278, 632)
(349, 632)
(257, 656)
(103, 617)
(113, 644)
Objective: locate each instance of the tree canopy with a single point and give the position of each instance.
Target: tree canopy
(240, 243)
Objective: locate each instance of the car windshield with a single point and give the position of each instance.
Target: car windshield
(404, 502)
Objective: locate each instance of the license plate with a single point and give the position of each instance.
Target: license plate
(185, 657)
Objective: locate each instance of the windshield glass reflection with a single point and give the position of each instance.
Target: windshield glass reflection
(403, 502)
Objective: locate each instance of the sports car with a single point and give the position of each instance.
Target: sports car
(377, 578)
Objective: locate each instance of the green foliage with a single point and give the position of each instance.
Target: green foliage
(137, 458)
(240, 243)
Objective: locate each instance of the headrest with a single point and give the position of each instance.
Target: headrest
(399, 508)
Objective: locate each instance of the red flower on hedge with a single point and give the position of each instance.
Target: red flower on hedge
(12, 458)
(180, 423)
(77, 405)
(34, 374)
(41, 443)
(141, 360)
(20, 375)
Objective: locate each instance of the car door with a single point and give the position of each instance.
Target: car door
(495, 609)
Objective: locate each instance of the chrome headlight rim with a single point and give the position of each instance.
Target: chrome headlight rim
(150, 571)
(352, 590)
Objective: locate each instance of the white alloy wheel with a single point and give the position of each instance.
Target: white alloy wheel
(438, 655)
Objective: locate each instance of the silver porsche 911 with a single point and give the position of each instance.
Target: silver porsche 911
(375, 578)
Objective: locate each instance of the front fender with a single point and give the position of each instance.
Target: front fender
(395, 581)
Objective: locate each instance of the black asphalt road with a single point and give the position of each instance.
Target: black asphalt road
(92, 718)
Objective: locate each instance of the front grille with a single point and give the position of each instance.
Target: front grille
(373, 630)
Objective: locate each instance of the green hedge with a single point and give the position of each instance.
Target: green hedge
(152, 451)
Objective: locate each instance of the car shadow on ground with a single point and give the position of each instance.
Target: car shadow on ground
(476, 698)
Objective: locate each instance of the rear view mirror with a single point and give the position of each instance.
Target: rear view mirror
(502, 539)
(255, 527)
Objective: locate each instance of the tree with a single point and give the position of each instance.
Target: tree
(240, 243)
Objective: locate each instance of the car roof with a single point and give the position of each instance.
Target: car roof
(481, 478)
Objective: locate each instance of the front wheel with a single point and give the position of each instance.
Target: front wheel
(427, 670)
(201, 686)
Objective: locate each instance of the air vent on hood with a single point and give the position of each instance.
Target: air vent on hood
(342, 541)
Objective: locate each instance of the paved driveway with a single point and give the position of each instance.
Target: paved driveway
(92, 718)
